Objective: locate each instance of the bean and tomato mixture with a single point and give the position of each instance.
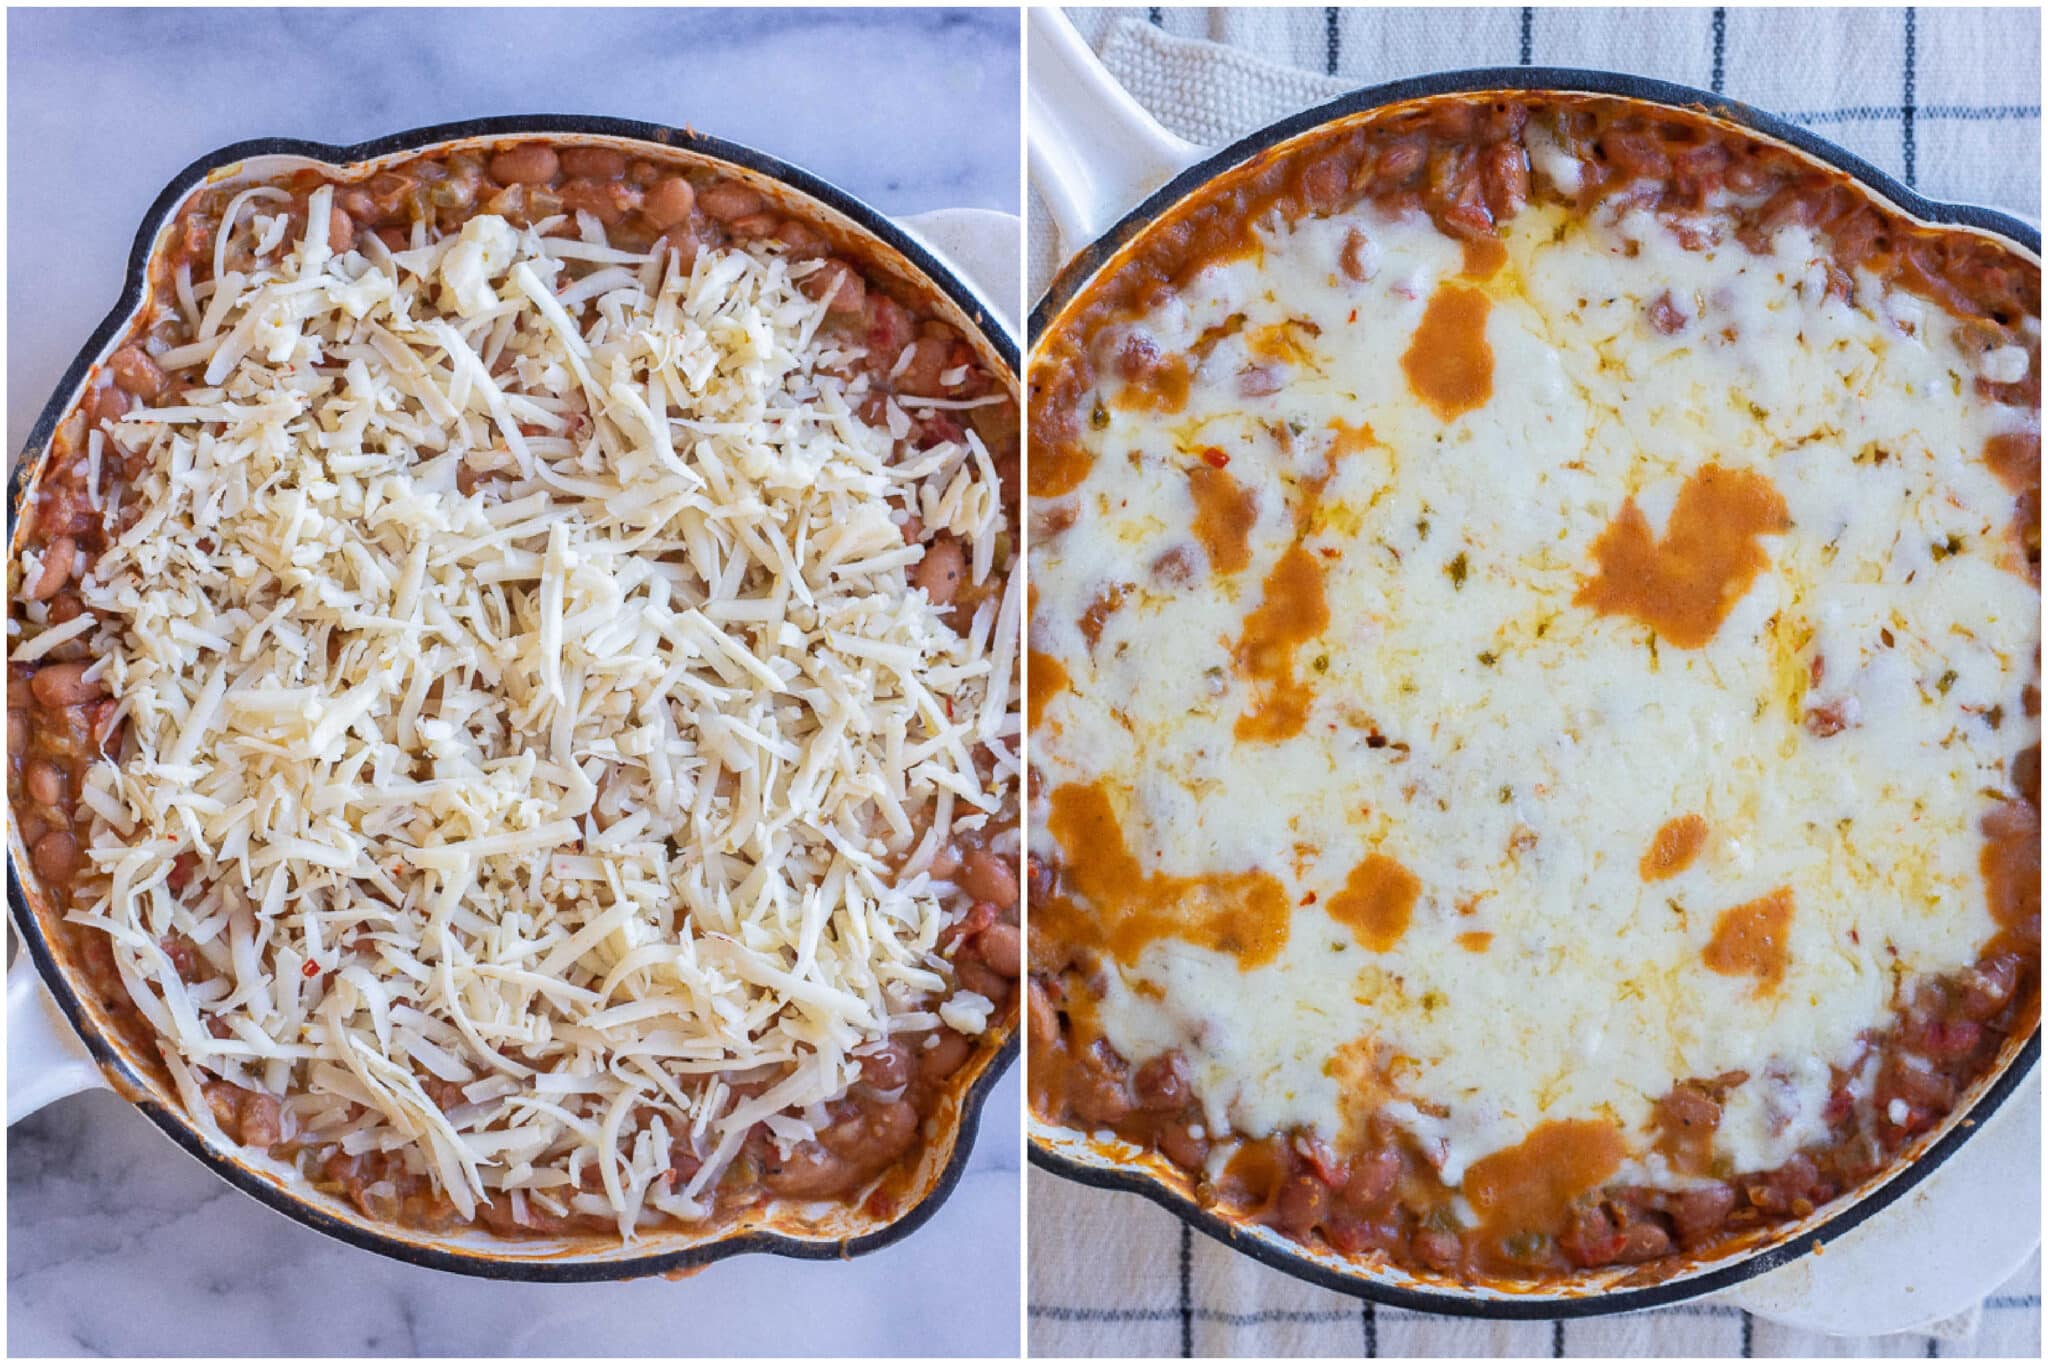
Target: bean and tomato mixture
(1466, 163)
(60, 723)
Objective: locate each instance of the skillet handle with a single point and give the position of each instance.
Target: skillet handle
(1094, 151)
(45, 1061)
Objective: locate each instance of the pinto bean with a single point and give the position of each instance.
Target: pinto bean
(45, 781)
(359, 204)
(1303, 1202)
(1505, 175)
(1986, 987)
(1138, 357)
(1359, 260)
(593, 163)
(1951, 1039)
(1002, 948)
(945, 1055)
(64, 685)
(1665, 315)
(17, 729)
(975, 975)
(889, 329)
(1162, 1083)
(927, 362)
(1401, 160)
(887, 1067)
(261, 1119)
(1644, 1241)
(608, 201)
(55, 571)
(55, 856)
(110, 403)
(1777, 1191)
(529, 163)
(1178, 1144)
(134, 370)
(1700, 1212)
(1098, 1093)
(1689, 1108)
(1438, 1249)
(939, 573)
(1637, 154)
(801, 238)
(341, 231)
(1323, 184)
(810, 1172)
(684, 243)
(668, 203)
(988, 877)
(839, 284)
(224, 1100)
(1257, 381)
(874, 1135)
(1044, 1019)
(729, 201)
(1372, 1179)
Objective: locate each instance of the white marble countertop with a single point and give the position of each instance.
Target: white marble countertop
(909, 110)
(117, 1243)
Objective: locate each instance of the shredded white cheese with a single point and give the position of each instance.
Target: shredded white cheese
(578, 791)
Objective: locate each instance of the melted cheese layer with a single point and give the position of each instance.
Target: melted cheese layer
(1808, 646)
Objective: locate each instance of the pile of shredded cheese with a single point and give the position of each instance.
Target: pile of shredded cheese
(575, 792)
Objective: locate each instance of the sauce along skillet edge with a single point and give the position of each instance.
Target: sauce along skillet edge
(895, 251)
(1074, 1155)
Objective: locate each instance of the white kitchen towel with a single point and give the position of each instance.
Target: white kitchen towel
(1947, 100)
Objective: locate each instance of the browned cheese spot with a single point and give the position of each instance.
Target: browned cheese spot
(1243, 914)
(1058, 467)
(1484, 256)
(1377, 901)
(1449, 364)
(1349, 440)
(1048, 678)
(1225, 512)
(1530, 1188)
(1161, 388)
(1753, 939)
(1677, 843)
(1293, 612)
(1684, 585)
(1281, 341)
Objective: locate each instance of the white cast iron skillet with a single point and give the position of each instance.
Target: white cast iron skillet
(1107, 171)
(61, 1042)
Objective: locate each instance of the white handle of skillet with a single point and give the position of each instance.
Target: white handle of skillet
(45, 1060)
(1095, 152)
